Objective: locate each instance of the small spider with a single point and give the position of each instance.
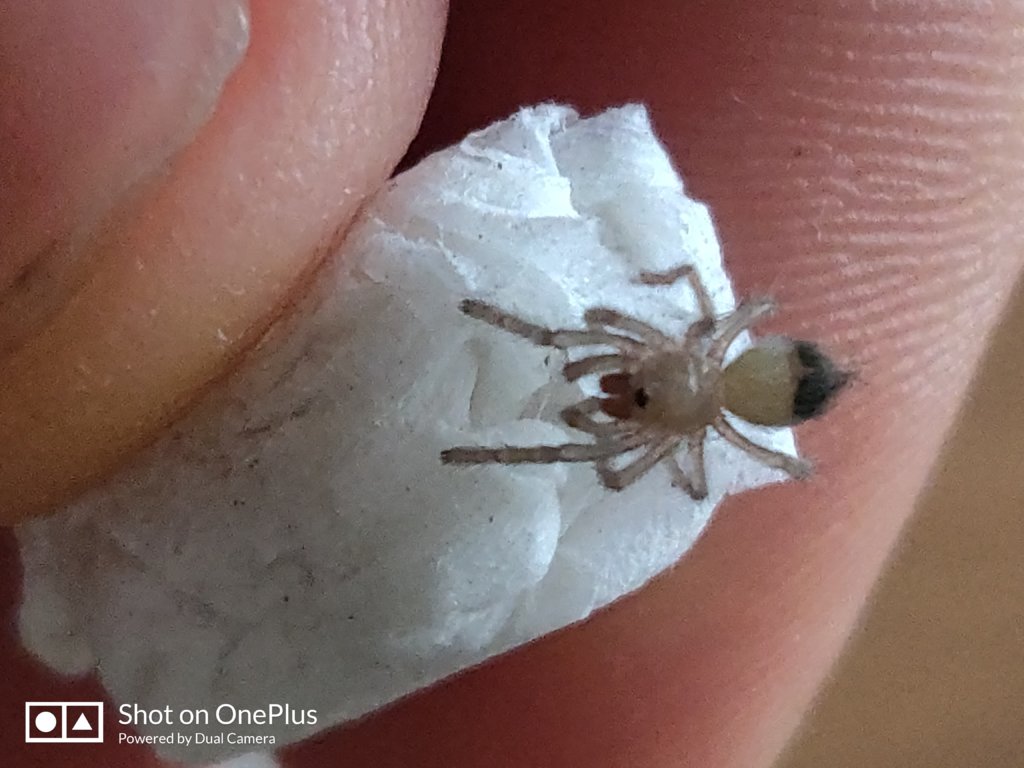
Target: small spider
(660, 394)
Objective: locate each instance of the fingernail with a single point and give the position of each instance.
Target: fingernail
(96, 97)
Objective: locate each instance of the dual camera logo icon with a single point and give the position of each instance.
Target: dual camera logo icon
(63, 722)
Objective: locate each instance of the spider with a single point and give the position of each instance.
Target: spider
(660, 395)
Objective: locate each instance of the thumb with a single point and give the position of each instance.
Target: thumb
(191, 274)
(96, 98)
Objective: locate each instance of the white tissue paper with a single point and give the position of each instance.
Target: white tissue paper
(296, 539)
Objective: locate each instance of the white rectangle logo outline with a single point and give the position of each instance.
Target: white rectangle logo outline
(64, 738)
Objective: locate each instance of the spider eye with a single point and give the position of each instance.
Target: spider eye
(640, 398)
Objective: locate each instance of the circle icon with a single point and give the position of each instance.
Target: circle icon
(45, 721)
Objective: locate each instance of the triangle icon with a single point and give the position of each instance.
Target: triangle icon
(81, 724)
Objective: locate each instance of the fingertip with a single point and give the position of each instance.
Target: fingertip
(861, 164)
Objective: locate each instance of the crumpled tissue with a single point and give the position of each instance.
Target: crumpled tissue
(296, 539)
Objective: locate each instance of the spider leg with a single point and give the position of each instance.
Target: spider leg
(689, 272)
(602, 317)
(702, 327)
(797, 468)
(596, 364)
(540, 454)
(563, 338)
(579, 417)
(694, 479)
(617, 479)
(747, 314)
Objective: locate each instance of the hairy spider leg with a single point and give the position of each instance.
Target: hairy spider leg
(747, 314)
(617, 479)
(694, 481)
(580, 416)
(600, 318)
(541, 454)
(577, 369)
(798, 468)
(702, 327)
(689, 273)
(564, 338)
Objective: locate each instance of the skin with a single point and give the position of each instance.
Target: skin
(891, 235)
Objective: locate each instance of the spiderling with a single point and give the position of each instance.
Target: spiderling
(660, 395)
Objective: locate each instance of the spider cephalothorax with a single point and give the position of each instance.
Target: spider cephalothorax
(660, 395)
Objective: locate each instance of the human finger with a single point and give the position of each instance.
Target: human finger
(191, 274)
(862, 164)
